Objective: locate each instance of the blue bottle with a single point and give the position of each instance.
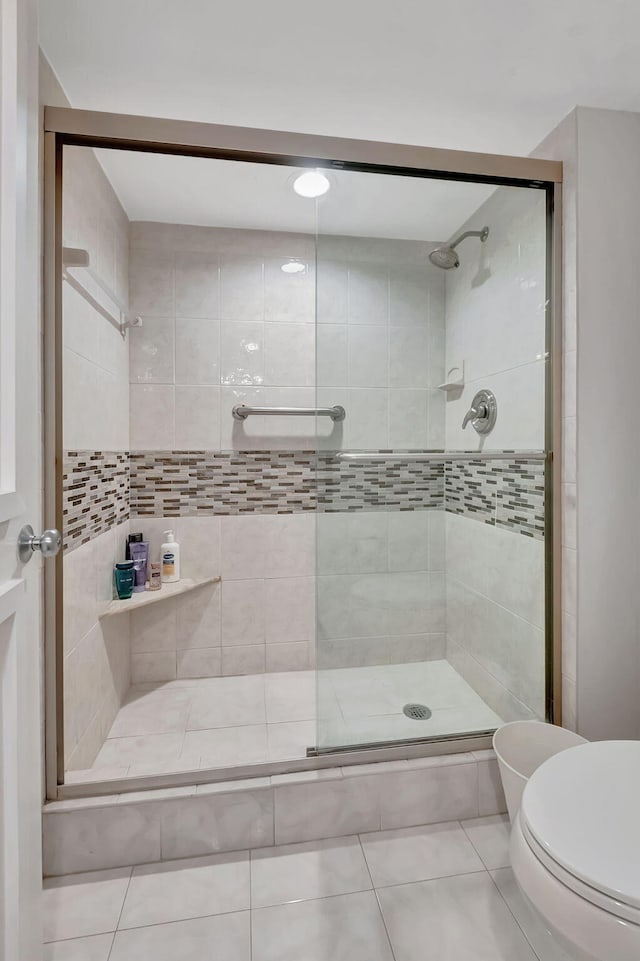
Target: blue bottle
(124, 576)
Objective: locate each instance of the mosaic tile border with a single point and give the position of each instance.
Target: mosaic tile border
(501, 493)
(398, 485)
(102, 489)
(196, 483)
(96, 494)
(193, 483)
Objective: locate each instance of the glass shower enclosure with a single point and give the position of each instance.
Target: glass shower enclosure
(433, 334)
(342, 400)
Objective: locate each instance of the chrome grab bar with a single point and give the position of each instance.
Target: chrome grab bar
(356, 457)
(337, 413)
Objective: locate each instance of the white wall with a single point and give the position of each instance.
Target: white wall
(602, 247)
(562, 144)
(601, 663)
(608, 442)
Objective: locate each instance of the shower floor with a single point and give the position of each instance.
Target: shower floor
(228, 721)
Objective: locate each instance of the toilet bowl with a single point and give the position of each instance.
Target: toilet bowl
(575, 849)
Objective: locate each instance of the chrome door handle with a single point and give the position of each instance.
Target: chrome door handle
(49, 543)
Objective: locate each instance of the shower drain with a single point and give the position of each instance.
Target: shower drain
(418, 712)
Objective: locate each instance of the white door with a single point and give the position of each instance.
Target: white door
(20, 488)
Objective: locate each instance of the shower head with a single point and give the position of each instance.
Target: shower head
(446, 257)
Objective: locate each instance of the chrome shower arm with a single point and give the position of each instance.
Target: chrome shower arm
(482, 234)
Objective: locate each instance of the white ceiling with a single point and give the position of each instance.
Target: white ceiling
(488, 75)
(192, 190)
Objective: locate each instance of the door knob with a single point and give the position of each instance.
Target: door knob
(49, 543)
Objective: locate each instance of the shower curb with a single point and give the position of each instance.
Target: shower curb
(98, 833)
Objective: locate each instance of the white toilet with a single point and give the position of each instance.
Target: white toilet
(575, 849)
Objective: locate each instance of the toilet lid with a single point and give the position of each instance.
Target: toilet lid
(582, 807)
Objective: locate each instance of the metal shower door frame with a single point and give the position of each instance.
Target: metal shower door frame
(70, 127)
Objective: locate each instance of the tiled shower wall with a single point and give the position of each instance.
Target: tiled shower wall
(95, 356)
(96, 418)
(223, 324)
(495, 323)
(97, 667)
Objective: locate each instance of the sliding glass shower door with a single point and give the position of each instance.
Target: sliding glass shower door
(433, 334)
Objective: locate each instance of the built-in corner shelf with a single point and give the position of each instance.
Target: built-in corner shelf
(143, 599)
(454, 379)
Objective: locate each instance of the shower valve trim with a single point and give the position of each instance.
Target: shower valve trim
(483, 412)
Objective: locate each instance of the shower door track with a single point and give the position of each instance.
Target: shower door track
(364, 457)
(377, 753)
(67, 126)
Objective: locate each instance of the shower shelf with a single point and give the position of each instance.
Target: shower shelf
(455, 378)
(137, 601)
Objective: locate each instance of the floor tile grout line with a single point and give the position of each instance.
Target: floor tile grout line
(440, 877)
(124, 901)
(79, 937)
(375, 894)
(113, 938)
(474, 846)
(520, 928)
(195, 917)
(322, 897)
(364, 855)
(142, 927)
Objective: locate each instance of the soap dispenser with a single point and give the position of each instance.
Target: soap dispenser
(170, 558)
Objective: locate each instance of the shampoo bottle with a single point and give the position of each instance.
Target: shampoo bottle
(170, 558)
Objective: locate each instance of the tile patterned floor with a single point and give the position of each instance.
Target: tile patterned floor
(441, 892)
(226, 721)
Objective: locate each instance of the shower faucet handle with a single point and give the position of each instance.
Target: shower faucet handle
(473, 413)
(482, 413)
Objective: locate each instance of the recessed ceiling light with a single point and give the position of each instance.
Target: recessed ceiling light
(294, 267)
(313, 183)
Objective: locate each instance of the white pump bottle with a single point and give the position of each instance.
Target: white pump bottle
(170, 559)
